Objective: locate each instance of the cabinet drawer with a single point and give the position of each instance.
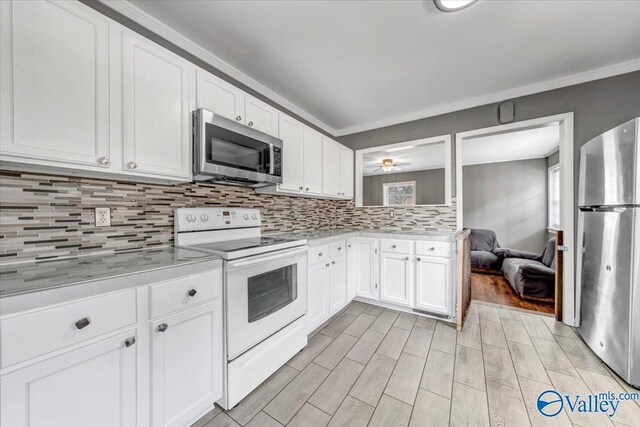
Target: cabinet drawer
(337, 248)
(442, 249)
(395, 246)
(24, 337)
(318, 254)
(177, 294)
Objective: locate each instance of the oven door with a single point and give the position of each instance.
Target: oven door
(227, 148)
(263, 295)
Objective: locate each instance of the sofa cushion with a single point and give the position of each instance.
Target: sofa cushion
(529, 278)
(486, 260)
(483, 240)
(549, 254)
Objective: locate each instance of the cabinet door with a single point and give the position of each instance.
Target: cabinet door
(433, 284)
(312, 163)
(338, 284)
(92, 386)
(346, 171)
(260, 116)
(318, 295)
(186, 364)
(291, 134)
(219, 97)
(157, 120)
(352, 265)
(54, 75)
(395, 278)
(367, 277)
(330, 167)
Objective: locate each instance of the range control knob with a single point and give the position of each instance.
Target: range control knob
(246, 216)
(204, 217)
(191, 218)
(254, 216)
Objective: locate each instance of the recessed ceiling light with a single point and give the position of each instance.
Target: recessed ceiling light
(453, 5)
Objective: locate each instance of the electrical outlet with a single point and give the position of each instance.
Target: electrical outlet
(103, 217)
(392, 213)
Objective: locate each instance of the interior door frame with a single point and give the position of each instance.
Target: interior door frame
(567, 194)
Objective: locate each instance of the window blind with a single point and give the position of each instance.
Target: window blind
(554, 197)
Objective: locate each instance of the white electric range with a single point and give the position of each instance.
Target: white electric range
(265, 291)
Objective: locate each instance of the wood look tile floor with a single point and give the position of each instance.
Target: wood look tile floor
(495, 289)
(372, 367)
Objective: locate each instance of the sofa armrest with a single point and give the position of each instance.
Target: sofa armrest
(513, 253)
(532, 271)
(501, 252)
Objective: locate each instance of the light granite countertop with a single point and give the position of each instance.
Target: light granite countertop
(321, 237)
(30, 277)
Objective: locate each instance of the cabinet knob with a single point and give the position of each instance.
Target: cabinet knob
(406, 258)
(129, 341)
(300, 188)
(348, 246)
(319, 253)
(333, 262)
(418, 259)
(432, 249)
(306, 189)
(238, 118)
(250, 123)
(393, 246)
(339, 248)
(162, 327)
(192, 292)
(82, 323)
(327, 265)
(132, 165)
(104, 161)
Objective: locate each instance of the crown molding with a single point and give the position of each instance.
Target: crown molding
(599, 73)
(149, 22)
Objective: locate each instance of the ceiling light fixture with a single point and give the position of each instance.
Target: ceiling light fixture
(387, 165)
(453, 5)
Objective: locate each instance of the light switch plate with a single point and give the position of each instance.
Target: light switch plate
(103, 217)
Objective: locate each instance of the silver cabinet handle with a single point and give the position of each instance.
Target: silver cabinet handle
(162, 327)
(104, 161)
(129, 341)
(82, 323)
(250, 123)
(238, 118)
(132, 165)
(192, 292)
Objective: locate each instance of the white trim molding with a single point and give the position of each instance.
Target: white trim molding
(567, 205)
(599, 73)
(158, 27)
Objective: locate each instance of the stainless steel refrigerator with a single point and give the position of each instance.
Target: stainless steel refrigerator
(609, 248)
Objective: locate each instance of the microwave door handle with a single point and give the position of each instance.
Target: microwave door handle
(246, 262)
(271, 158)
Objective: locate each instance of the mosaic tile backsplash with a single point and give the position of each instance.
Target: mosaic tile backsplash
(48, 216)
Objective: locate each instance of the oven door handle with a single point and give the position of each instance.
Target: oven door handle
(250, 261)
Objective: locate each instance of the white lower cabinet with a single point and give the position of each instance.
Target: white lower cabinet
(352, 274)
(318, 295)
(367, 268)
(186, 369)
(337, 284)
(434, 284)
(395, 278)
(94, 385)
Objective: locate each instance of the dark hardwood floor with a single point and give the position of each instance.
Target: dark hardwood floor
(496, 289)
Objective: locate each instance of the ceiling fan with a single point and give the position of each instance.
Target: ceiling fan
(388, 165)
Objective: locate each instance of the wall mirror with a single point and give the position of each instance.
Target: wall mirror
(405, 174)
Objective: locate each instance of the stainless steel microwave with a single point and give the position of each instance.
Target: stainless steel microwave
(229, 152)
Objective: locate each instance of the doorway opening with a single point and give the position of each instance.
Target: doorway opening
(514, 191)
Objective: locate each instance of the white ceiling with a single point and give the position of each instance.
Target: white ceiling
(421, 157)
(356, 65)
(511, 146)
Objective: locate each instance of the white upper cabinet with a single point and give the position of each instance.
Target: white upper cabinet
(346, 172)
(54, 84)
(330, 167)
(157, 125)
(219, 97)
(260, 116)
(291, 134)
(312, 180)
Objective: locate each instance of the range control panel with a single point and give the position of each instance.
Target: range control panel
(199, 219)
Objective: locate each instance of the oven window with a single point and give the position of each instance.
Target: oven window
(270, 291)
(234, 150)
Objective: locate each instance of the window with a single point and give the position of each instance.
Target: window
(399, 193)
(553, 196)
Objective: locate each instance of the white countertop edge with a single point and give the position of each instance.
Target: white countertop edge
(444, 236)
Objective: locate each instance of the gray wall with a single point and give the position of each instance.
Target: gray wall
(597, 106)
(553, 159)
(509, 198)
(429, 186)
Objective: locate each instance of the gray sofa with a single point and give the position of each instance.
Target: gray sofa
(532, 275)
(486, 254)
